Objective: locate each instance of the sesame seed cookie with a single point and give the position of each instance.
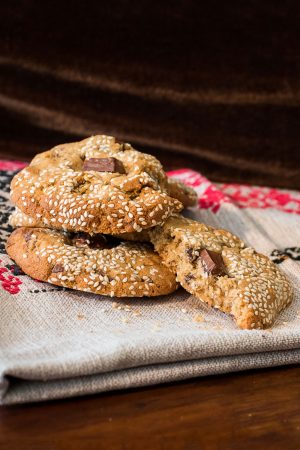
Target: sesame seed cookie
(185, 194)
(218, 268)
(96, 185)
(19, 219)
(175, 188)
(96, 263)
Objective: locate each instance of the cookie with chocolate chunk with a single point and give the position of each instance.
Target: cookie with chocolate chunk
(96, 186)
(175, 188)
(97, 263)
(219, 269)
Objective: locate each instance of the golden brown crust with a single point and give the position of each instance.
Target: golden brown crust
(19, 219)
(55, 190)
(126, 270)
(253, 290)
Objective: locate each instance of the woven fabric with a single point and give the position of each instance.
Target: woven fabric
(57, 343)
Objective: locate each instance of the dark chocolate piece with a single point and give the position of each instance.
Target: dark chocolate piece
(97, 241)
(104, 165)
(58, 268)
(212, 262)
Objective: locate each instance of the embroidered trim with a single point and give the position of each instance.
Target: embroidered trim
(278, 256)
(212, 196)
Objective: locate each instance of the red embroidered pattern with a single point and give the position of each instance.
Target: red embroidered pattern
(262, 197)
(243, 196)
(12, 165)
(9, 282)
(210, 197)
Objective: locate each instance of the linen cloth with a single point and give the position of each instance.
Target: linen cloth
(57, 343)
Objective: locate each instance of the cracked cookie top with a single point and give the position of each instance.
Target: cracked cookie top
(97, 186)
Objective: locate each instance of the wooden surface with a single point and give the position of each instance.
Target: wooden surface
(246, 410)
(251, 410)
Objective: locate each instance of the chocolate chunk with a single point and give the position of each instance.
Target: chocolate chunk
(97, 241)
(212, 262)
(104, 165)
(58, 268)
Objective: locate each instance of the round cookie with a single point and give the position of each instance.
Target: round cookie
(185, 194)
(218, 268)
(96, 186)
(90, 263)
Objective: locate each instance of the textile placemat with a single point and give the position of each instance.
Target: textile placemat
(57, 343)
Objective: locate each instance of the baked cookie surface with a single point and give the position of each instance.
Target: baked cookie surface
(185, 194)
(175, 188)
(96, 264)
(218, 268)
(20, 219)
(96, 185)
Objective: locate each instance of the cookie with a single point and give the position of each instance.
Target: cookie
(185, 194)
(219, 269)
(96, 263)
(97, 186)
(19, 219)
(175, 188)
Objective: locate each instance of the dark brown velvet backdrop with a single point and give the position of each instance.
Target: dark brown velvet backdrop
(212, 85)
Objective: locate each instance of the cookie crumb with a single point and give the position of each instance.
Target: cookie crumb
(199, 318)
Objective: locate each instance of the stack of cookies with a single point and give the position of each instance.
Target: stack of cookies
(101, 217)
